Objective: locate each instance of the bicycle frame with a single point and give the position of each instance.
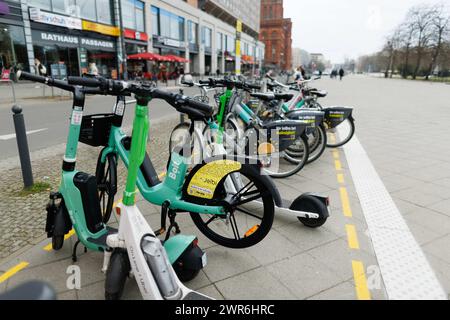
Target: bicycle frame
(170, 190)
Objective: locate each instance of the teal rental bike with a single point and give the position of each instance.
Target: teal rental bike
(134, 246)
(222, 216)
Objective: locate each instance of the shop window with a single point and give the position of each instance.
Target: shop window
(104, 14)
(155, 20)
(219, 41)
(133, 14)
(171, 25)
(206, 36)
(192, 32)
(87, 11)
(43, 4)
(12, 47)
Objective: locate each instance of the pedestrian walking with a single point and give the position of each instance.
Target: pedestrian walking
(341, 74)
(41, 70)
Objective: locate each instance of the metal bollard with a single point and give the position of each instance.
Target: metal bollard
(22, 145)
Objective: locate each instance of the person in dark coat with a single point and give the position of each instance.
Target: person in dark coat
(341, 74)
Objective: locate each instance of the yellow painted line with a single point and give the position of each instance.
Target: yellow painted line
(345, 203)
(8, 274)
(359, 275)
(338, 165)
(352, 237)
(336, 154)
(67, 236)
(162, 175)
(340, 178)
(332, 138)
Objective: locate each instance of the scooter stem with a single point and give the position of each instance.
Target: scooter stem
(137, 153)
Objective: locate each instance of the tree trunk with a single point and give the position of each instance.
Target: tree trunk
(405, 65)
(419, 60)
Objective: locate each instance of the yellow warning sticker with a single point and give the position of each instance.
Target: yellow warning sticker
(205, 181)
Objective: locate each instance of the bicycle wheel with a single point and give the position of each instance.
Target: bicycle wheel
(230, 139)
(283, 165)
(342, 134)
(317, 142)
(249, 217)
(106, 175)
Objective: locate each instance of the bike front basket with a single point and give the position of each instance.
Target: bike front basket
(95, 129)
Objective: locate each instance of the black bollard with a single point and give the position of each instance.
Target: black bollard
(22, 145)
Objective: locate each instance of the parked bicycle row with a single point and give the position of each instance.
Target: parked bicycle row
(238, 142)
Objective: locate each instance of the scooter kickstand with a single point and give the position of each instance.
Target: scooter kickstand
(74, 252)
(164, 210)
(173, 224)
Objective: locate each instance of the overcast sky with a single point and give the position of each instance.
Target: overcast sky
(345, 28)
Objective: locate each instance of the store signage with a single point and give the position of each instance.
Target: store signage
(136, 35)
(101, 28)
(6, 73)
(172, 43)
(72, 41)
(4, 8)
(54, 19)
(97, 43)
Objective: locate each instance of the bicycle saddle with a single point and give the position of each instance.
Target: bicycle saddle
(318, 93)
(272, 96)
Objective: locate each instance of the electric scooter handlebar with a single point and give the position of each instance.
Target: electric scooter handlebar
(180, 102)
(45, 80)
(214, 83)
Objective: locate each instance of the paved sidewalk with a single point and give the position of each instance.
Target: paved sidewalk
(293, 262)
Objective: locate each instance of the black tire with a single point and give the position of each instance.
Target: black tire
(309, 203)
(57, 242)
(185, 275)
(266, 220)
(316, 147)
(297, 162)
(117, 274)
(106, 175)
(351, 123)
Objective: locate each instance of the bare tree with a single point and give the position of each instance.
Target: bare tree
(406, 40)
(440, 25)
(422, 18)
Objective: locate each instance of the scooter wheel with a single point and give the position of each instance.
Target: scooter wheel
(116, 276)
(188, 266)
(57, 242)
(310, 203)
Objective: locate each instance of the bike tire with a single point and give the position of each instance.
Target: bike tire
(343, 142)
(106, 175)
(117, 274)
(261, 232)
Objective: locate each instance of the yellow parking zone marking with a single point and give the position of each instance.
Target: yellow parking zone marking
(49, 247)
(359, 275)
(338, 165)
(340, 178)
(336, 154)
(162, 175)
(352, 237)
(345, 203)
(8, 274)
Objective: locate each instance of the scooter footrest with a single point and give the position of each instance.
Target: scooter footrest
(101, 241)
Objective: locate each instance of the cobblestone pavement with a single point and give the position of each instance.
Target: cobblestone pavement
(22, 219)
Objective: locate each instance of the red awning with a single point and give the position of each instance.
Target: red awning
(148, 56)
(177, 59)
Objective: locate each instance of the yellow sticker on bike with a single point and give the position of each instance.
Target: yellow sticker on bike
(205, 181)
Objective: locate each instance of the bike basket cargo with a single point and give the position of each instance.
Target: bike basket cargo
(95, 129)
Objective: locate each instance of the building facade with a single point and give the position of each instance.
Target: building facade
(70, 37)
(276, 33)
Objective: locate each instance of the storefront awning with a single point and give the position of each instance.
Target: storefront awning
(177, 59)
(149, 57)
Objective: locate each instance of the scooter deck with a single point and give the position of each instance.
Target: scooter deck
(195, 296)
(101, 241)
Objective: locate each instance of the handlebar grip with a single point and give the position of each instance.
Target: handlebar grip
(85, 82)
(32, 77)
(204, 81)
(269, 77)
(253, 86)
(205, 108)
(45, 80)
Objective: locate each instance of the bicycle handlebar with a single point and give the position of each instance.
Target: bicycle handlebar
(45, 80)
(211, 82)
